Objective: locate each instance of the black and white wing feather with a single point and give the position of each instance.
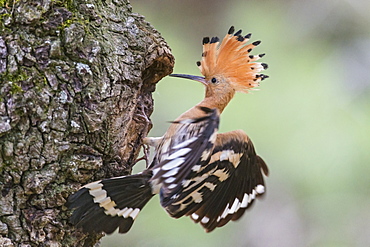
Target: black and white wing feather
(223, 189)
(190, 148)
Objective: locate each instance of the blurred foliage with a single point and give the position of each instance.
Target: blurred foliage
(310, 120)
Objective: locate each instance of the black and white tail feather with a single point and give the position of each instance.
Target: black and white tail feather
(108, 204)
(213, 178)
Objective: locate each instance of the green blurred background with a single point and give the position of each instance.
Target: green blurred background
(310, 120)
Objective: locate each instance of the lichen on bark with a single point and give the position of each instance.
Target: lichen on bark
(75, 76)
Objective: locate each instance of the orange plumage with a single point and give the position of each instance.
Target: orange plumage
(231, 59)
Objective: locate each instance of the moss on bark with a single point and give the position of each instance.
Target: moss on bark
(74, 79)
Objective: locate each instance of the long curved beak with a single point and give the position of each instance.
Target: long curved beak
(191, 77)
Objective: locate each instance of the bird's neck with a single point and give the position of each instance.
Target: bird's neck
(210, 101)
(219, 101)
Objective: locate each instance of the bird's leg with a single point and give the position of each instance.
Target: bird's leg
(146, 150)
(144, 144)
(147, 143)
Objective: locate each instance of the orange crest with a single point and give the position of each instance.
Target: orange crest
(231, 60)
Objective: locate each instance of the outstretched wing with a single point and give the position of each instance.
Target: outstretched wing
(189, 147)
(226, 186)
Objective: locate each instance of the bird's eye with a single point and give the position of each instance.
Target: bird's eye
(213, 80)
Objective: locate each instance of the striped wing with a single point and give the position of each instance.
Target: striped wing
(226, 187)
(189, 148)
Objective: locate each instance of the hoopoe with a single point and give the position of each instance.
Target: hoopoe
(211, 177)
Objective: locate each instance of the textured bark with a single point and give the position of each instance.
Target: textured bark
(75, 76)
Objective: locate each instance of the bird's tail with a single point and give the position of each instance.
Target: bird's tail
(105, 205)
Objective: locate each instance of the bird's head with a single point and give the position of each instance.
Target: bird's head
(229, 67)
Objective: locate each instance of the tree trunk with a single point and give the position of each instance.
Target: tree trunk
(75, 82)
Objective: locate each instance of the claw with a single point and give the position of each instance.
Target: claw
(147, 124)
(146, 150)
(143, 115)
